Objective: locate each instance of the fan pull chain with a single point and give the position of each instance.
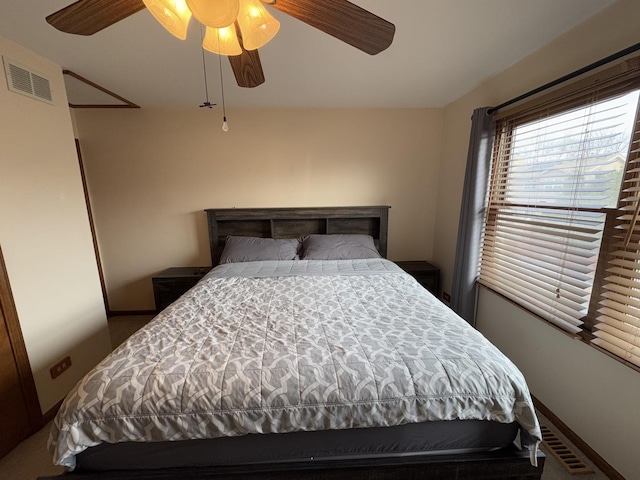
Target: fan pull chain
(225, 126)
(206, 103)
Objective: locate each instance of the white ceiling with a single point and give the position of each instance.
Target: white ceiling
(442, 50)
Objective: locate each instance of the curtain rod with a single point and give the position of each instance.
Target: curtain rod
(560, 80)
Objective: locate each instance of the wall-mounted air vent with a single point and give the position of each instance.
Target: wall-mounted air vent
(21, 79)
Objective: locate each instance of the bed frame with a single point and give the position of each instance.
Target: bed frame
(296, 222)
(505, 464)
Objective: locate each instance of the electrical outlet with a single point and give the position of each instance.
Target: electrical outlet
(60, 367)
(446, 297)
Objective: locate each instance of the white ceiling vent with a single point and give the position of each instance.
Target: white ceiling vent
(21, 79)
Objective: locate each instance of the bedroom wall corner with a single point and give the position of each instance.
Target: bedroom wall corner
(591, 393)
(45, 236)
(74, 123)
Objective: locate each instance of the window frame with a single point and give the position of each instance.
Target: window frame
(608, 82)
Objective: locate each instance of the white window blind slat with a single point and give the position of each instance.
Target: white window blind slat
(616, 311)
(540, 278)
(547, 270)
(538, 306)
(621, 328)
(619, 342)
(556, 236)
(622, 336)
(620, 296)
(622, 352)
(553, 225)
(626, 255)
(583, 260)
(619, 262)
(621, 273)
(544, 295)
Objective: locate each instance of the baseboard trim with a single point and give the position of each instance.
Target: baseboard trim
(122, 313)
(589, 452)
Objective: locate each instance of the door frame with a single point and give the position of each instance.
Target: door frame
(10, 314)
(92, 225)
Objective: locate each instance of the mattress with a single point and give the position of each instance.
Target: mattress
(264, 348)
(426, 438)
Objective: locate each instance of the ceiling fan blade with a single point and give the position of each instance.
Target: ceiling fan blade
(343, 20)
(247, 67)
(86, 17)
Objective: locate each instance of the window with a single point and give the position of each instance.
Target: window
(561, 235)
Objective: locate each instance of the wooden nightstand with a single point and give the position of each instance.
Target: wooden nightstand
(169, 284)
(426, 274)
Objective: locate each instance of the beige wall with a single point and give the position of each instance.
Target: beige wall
(152, 172)
(602, 406)
(44, 233)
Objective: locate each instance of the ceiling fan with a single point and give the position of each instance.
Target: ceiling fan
(340, 18)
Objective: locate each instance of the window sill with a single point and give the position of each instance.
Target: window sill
(584, 336)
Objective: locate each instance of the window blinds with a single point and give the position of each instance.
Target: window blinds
(566, 167)
(617, 326)
(553, 180)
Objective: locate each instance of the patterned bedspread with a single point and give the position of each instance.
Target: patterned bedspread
(267, 347)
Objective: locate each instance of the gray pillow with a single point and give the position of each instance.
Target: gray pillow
(250, 249)
(338, 247)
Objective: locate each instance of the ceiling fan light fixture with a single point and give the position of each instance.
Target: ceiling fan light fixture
(222, 41)
(173, 15)
(257, 25)
(215, 13)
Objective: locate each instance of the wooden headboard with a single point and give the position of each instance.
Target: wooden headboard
(296, 222)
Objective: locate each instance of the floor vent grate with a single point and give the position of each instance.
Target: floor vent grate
(571, 462)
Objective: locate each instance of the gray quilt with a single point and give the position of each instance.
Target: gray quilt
(284, 346)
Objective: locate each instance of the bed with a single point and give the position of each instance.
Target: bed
(303, 354)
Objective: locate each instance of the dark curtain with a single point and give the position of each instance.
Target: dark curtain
(474, 198)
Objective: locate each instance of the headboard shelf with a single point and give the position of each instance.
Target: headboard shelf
(296, 222)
